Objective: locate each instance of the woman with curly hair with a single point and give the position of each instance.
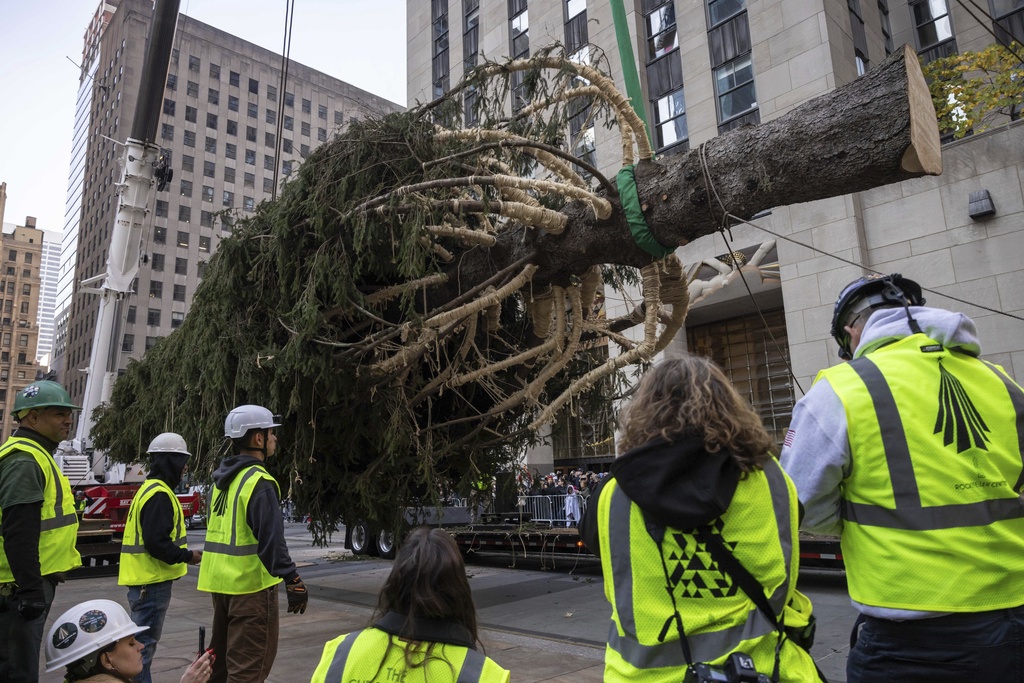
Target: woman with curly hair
(425, 628)
(696, 498)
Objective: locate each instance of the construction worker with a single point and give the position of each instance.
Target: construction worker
(155, 551)
(697, 533)
(912, 452)
(39, 524)
(246, 556)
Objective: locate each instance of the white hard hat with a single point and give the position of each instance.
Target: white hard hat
(87, 628)
(243, 418)
(168, 442)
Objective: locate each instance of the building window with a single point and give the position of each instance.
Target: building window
(23, 338)
(159, 235)
(307, 106)
(734, 84)
(933, 29)
(272, 93)
(233, 78)
(151, 341)
(268, 184)
(193, 89)
(182, 238)
(269, 139)
(24, 307)
(12, 255)
(321, 134)
(213, 96)
(180, 266)
(215, 72)
(153, 317)
(250, 180)
(172, 82)
(254, 86)
(179, 292)
(665, 75)
(250, 133)
(187, 162)
(860, 41)
(337, 118)
(193, 64)
(128, 343)
(289, 99)
(186, 188)
(670, 119)
(250, 156)
(321, 111)
(166, 131)
(286, 146)
(190, 138)
(470, 39)
(169, 107)
(519, 32)
(720, 11)
(662, 32)
(207, 193)
(156, 262)
(206, 219)
(305, 128)
(289, 122)
(211, 121)
(883, 11)
(229, 174)
(211, 145)
(271, 117)
(131, 315)
(268, 162)
(576, 33)
(1009, 20)
(232, 103)
(254, 110)
(248, 204)
(156, 289)
(230, 150)
(161, 208)
(303, 151)
(177, 317)
(439, 62)
(184, 214)
(204, 242)
(201, 266)
(190, 114)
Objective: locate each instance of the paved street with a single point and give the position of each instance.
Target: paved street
(543, 622)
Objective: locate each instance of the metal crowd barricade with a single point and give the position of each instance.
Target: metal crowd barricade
(550, 509)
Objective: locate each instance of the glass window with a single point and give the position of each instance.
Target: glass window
(179, 292)
(268, 162)
(204, 242)
(156, 289)
(289, 122)
(304, 151)
(268, 184)
(186, 188)
(305, 128)
(161, 207)
(321, 134)
(169, 107)
(338, 118)
(211, 121)
(153, 317)
(272, 93)
(131, 315)
(286, 167)
(206, 219)
(230, 151)
(250, 180)
(721, 10)
(190, 138)
(269, 139)
(193, 89)
(232, 103)
(172, 82)
(184, 214)
(190, 114)
(213, 96)
(271, 116)
(128, 343)
(734, 83)
(232, 127)
(180, 266)
(166, 131)
(211, 145)
(286, 145)
(289, 99)
(250, 133)
(159, 235)
(193, 63)
(670, 119)
(661, 31)
(254, 86)
(248, 204)
(157, 262)
(233, 78)
(151, 341)
(931, 20)
(176, 316)
(215, 72)
(229, 174)
(254, 110)
(188, 162)
(307, 106)
(207, 193)
(321, 111)
(182, 238)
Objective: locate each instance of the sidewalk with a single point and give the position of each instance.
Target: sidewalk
(329, 578)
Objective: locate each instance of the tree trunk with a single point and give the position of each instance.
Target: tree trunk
(879, 129)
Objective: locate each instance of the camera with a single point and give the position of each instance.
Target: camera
(739, 668)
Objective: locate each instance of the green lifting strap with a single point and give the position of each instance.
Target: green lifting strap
(626, 180)
(629, 74)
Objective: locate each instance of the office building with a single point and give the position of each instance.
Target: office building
(223, 106)
(708, 67)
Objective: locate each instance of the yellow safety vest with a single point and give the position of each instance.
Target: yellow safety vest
(138, 567)
(230, 563)
(932, 519)
(59, 527)
(373, 655)
(760, 527)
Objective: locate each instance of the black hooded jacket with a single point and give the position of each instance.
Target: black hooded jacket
(263, 515)
(678, 485)
(157, 516)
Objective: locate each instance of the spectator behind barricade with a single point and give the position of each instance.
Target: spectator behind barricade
(697, 478)
(95, 642)
(425, 628)
(572, 507)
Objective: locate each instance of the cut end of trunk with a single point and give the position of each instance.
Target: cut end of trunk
(924, 155)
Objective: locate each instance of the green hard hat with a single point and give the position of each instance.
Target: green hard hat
(42, 394)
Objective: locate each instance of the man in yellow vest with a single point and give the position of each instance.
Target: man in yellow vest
(912, 452)
(246, 556)
(155, 551)
(39, 525)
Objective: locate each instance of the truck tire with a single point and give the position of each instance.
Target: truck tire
(362, 541)
(386, 546)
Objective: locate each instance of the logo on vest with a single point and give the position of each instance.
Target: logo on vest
(694, 570)
(220, 502)
(958, 420)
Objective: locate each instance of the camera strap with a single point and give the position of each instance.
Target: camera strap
(657, 533)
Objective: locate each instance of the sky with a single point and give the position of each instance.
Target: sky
(343, 38)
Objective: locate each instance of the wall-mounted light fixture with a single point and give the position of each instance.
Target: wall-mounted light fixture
(980, 205)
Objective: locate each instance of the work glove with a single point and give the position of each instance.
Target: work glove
(298, 598)
(29, 604)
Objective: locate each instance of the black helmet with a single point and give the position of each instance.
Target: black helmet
(870, 292)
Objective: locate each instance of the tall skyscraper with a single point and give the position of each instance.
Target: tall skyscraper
(711, 66)
(49, 273)
(223, 105)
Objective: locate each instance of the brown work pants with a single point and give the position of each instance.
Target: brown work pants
(245, 629)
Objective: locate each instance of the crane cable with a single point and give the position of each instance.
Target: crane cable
(286, 50)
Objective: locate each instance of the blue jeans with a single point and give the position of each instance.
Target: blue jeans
(969, 647)
(149, 607)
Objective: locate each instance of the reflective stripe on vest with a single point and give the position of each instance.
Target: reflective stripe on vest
(58, 521)
(137, 566)
(471, 670)
(937, 444)
(616, 511)
(231, 564)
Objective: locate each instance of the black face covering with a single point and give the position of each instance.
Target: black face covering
(168, 467)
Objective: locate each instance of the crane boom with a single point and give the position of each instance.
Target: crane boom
(139, 164)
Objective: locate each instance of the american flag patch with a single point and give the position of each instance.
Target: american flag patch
(788, 441)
